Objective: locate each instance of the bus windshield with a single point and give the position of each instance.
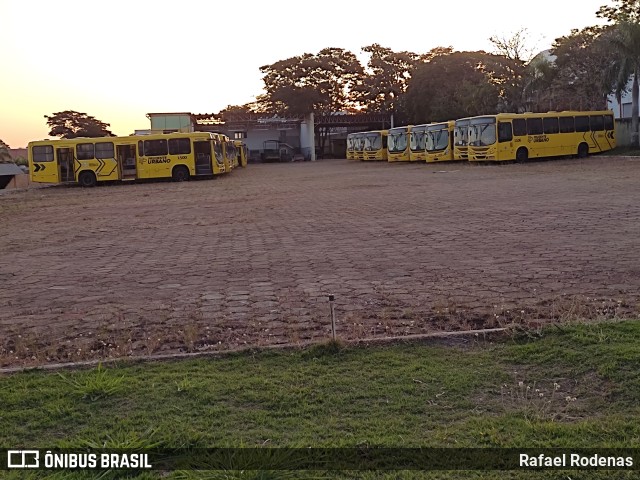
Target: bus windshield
(417, 140)
(397, 141)
(437, 139)
(373, 141)
(461, 133)
(482, 132)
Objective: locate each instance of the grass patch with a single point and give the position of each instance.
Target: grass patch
(623, 151)
(569, 386)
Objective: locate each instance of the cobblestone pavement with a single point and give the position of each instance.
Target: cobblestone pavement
(249, 258)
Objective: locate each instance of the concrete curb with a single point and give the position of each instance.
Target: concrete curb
(221, 353)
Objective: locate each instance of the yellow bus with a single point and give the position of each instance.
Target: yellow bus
(91, 160)
(439, 141)
(242, 153)
(461, 139)
(398, 144)
(351, 155)
(417, 139)
(533, 135)
(358, 146)
(375, 145)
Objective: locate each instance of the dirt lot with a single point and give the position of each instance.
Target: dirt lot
(249, 258)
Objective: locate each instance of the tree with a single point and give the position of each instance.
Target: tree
(308, 83)
(625, 14)
(539, 75)
(582, 59)
(514, 47)
(387, 78)
(5, 153)
(71, 124)
(451, 86)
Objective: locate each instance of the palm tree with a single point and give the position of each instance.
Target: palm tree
(627, 43)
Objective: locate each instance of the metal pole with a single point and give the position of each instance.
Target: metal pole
(333, 316)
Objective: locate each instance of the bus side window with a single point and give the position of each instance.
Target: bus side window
(140, 149)
(504, 132)
(597, 123)
(519, 127)
(608, 122)
(550, 125)
(566, 125)
(582, 123)
(84, 151)
(534, 126)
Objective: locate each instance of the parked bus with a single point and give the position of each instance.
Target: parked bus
(398, 144)
(242, 153)
(532, 135)
(417, 139)
(358, 146)
(439, 141)
(461, 139)
(228, 152)
(91, 160)
(375, 145)
(351, 155)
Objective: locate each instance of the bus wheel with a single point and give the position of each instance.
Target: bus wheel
(180, 173)
(583, 150)
(522, 155)
(87, 179)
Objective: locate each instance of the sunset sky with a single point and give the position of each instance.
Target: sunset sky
(133, 57)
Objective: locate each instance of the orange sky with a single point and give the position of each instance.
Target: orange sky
(135, 57)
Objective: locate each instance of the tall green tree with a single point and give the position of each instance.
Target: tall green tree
(312, 83)
(72, 124)
(307, 83)
(451, 86)
(625, 15)
(386, 79)
(582, 58)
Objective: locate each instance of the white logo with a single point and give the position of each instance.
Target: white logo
(23, 458)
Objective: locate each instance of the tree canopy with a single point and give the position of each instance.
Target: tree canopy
(308, 83)
(71, 124)
(5, 154)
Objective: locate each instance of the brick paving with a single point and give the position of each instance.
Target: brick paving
(249, 258)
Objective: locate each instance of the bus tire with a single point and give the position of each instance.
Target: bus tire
(583, 150)
(87, 179)
(180, 173)
(522, 155)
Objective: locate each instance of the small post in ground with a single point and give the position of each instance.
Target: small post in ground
(333, 316)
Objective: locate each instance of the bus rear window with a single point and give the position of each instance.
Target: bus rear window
(550, 125)
(566, 125)
(84, 151)
(519, 127)
(179, 146)
(597, 123)
(43, 153)
(154, 148)
(534, 126)
(104, 150)
(582, 123)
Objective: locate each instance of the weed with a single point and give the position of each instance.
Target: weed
(94, 385)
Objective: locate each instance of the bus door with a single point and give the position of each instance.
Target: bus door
(66, 164)
(127, 161)
(202, 152)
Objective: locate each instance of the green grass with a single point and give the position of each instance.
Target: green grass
(624, 151)
(583, 391)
